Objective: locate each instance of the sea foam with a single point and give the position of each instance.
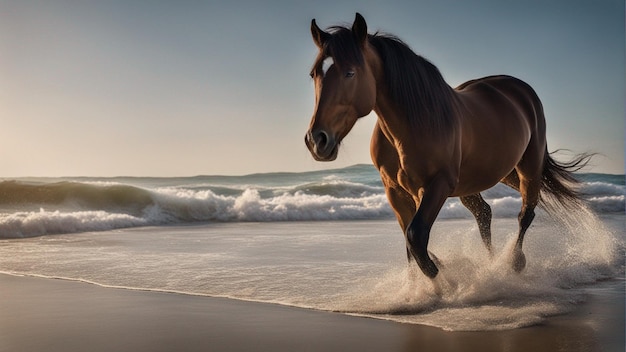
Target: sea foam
(474, 291)
(56, 206)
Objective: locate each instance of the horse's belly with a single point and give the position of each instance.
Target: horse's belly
(475, 185)
(482, 174)
(492, 153)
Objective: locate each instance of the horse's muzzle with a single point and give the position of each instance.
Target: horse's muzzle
(323, 146)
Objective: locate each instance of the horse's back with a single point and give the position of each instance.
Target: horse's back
(501, 116)
(493, 89)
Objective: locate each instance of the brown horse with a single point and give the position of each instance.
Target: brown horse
(431, 141)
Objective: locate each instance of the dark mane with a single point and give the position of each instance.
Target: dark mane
(415, 83)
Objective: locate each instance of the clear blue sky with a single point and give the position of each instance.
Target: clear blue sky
(165, 88)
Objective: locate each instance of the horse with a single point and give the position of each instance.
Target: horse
(431, 141)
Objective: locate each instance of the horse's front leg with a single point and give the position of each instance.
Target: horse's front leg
(418, 231)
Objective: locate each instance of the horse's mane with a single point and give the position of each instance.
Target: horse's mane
(414, 84)
(411, 81)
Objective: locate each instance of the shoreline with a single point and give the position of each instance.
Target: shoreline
(42, 314)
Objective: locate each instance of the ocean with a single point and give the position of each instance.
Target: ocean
(324, 240)
(44, 206)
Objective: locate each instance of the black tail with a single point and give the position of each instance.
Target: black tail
(559, 186)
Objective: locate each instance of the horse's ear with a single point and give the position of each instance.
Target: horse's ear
(359, 29)
(319, 36)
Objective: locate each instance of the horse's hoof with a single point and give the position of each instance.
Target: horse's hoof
(431, 272)
(428, 268)
(519, 261)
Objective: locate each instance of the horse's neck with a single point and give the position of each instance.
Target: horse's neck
(390, 120)
(412, 145)
(412, 140)
(394, 123)
(401, 128)
(395, 127)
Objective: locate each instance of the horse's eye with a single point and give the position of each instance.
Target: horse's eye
(349, 74)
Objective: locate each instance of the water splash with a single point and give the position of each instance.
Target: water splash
(476, 292)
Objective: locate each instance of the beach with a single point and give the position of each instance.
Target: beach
(56, 306)
(58, 315)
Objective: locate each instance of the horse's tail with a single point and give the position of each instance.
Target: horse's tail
(559, 186)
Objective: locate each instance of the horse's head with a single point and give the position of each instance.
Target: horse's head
(345, 88)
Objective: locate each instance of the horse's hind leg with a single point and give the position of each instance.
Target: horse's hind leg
(529, 189)
(512, 180)
(482, 212)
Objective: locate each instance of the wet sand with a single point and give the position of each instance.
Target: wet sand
(38, 314)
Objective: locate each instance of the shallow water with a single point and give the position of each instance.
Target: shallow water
(354, 267)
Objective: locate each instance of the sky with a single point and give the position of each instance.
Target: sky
(183, 88)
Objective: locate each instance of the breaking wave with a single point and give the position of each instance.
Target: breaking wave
(29, 208)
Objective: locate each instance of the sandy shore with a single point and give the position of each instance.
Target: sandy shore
(39, 314)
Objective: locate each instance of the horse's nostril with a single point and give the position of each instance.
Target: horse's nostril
(321, 145)
(321, 139)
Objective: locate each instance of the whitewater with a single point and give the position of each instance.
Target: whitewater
(323, 240)
(43, 206)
